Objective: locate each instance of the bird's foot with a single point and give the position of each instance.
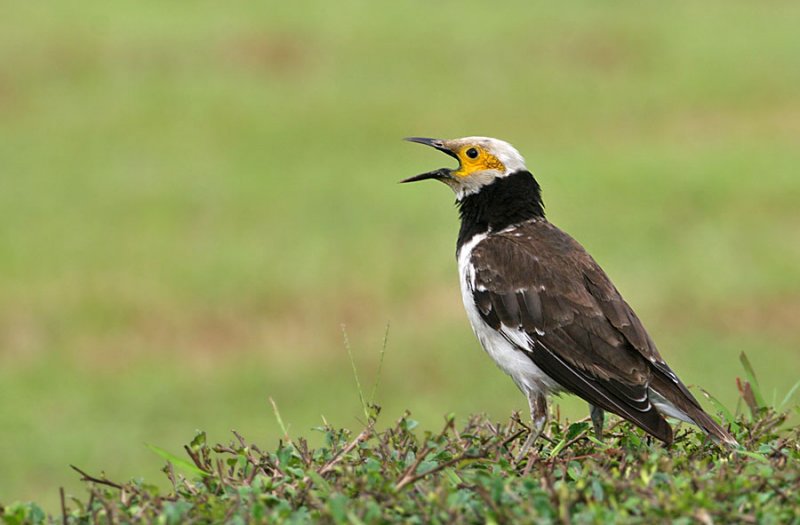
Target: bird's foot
(598, 418)
(523, 452)
(538, 406)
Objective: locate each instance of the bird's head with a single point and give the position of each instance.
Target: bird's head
(481, 160)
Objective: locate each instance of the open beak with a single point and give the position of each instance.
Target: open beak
(441, 173)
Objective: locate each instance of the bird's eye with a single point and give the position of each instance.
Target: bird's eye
(472, 153)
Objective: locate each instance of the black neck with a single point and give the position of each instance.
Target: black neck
(506, 201)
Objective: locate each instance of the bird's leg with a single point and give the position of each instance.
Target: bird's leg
(538, 405)
(598, 416)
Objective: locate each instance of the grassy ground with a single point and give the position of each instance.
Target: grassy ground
(473, 473)
(193, 200)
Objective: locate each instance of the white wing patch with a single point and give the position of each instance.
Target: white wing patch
(508, 346)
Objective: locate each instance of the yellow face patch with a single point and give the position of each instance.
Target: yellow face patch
(473, 159)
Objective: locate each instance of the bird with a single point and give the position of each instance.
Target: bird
(542, 307)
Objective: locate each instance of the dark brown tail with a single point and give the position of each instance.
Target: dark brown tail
(717, 433)
(682, 402)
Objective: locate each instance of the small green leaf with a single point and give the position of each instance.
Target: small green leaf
(574, 470)
(176, 461)
(718, 405)
(558, 448)
(174, 511)
(726, 414)
(337, 504)
(451, 475)
(426, 466)
(576, 429)
(352, 518)
(409, 424)
(284, 455)
(789, 395)
(753, 455)
(198, 441)
(23, 514)
(597, 490)
(322, 485)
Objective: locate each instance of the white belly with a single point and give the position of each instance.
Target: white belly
(509, 357)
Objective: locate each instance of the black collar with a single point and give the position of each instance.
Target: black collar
(508, 200)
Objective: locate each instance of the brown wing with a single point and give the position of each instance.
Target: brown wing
(624, 319)
(538, 280)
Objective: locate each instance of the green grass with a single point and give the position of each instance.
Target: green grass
(194, 199)
(468, 473)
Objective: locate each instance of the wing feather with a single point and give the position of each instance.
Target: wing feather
(579, 330)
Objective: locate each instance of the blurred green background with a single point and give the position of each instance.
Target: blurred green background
(194, 197)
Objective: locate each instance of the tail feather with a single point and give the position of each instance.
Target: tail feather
(672, 400)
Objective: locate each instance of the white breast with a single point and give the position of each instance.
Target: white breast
(498, 344)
